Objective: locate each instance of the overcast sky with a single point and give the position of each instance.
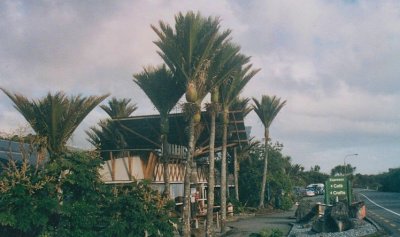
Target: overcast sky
(337, 63)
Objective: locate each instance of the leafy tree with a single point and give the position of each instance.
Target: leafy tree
(188, 51)
(266, 110)
(164, 90)
(368, 181)
(55, 117)
(343, 170)
(309, 177)
(250, 176)
(241, 155)
(390, 181)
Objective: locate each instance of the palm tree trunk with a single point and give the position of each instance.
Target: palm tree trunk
(211, 178)
(165, 157)
(223, 173)
(236, 171)
(264, 179)
(186, 188)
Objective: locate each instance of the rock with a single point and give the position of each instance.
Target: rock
(358, 210)
(339, 214)
(306, 211)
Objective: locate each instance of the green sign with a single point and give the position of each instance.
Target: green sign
(337, 188)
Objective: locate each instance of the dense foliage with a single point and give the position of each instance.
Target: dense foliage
(67, 198)
(390, 181)
(279, 181)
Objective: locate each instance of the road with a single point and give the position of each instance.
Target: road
(383, 208)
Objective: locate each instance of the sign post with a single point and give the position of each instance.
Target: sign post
(337, 188)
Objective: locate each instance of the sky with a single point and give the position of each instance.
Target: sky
(336, 63)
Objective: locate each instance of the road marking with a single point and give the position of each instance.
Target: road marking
(376, 204)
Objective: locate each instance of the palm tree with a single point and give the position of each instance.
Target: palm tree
(241, 104)
(266, 110)
(164, 91)
(225, 64)
(109, 136)
(188, 51)
(119, 108)
(229, 91)
(55, 117)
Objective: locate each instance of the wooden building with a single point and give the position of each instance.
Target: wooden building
(140, 159)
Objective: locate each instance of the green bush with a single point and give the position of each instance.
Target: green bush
(67, 198)
(134, 209)
(268, 233)
(287, 203)
(26, 201)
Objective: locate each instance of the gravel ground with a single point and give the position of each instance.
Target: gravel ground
(362, 230)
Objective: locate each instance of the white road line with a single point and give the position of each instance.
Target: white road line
(376, 204)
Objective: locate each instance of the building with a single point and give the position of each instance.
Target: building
(140, 159)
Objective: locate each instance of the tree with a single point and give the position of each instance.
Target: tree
(229, 91)
(226, 62)
(162, 87)
(55, 117)
(119, 108)
(343, 170)
(266, 110)
(242, 154)
(241, 104)
(188, 51)
(109, 136)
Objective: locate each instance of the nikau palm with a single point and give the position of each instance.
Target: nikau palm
(55, 117)
(242, 105)
(226, 63)
(109, 135)
(229, 91)
(189, 51)
(164, 91)
(266, 110)
(119, 108)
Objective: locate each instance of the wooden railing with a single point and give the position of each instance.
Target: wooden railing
(176, 151)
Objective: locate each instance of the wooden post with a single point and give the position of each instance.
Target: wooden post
(112, 166)
(130, 165)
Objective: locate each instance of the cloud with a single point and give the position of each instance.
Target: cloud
(336, 64)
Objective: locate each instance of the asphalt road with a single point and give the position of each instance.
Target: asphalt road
(383, 208)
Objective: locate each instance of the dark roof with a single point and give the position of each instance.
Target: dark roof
(16, 151)
(143, 132)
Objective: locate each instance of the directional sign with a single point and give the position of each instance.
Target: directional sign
(337, 188)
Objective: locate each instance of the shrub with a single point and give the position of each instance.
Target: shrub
(134, 209)
(67, 198)
(268, 233)
(26, 200)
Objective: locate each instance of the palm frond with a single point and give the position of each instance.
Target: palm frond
(268, 108)
(119, 108)
(56, 116)
(161, 86)
(189, 49)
